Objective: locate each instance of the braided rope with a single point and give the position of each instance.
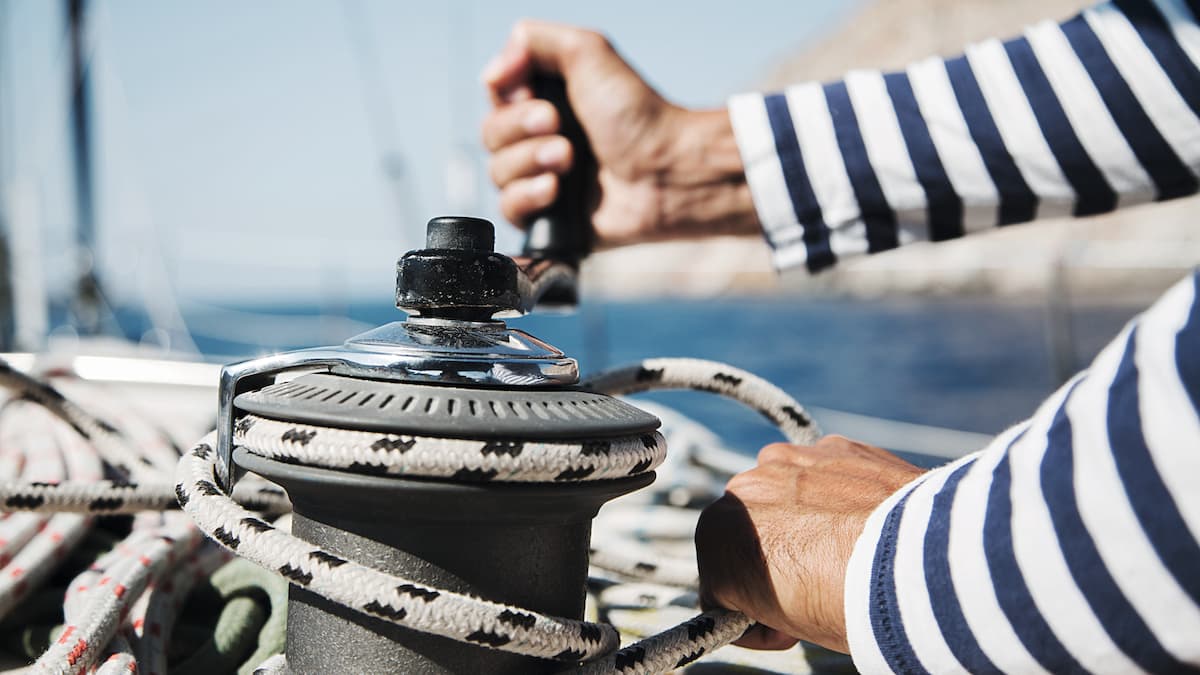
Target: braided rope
(674, 647)
(385, 596)
(79, 447)
(97, 615)
(718, 378)
(276, 665)
(42, 466)
(458, 459)
(139, 639)
(153, 629)
(103, 497)
(666, 572)
(58, 454)
(118, 658)
(113, 448)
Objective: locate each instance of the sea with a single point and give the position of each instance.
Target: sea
(962, 363)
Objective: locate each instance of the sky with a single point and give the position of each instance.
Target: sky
(293, 149)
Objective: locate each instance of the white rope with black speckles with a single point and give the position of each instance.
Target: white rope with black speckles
(103, 604)
(107, 440)
(467, 619)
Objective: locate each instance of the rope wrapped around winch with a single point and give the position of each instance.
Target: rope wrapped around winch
(403, 601)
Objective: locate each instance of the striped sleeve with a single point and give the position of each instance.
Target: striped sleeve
(1070, 544)
(1069, 119)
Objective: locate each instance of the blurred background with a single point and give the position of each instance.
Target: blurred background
(224, 179)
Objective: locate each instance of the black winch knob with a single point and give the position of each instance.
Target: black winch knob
(457, 275)
(462, 233)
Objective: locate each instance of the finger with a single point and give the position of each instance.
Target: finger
(517, 121)
(548, 47)
(521, 92)
(766, 638)
(524, 197)
(507, 72)
(733, 572)
(529, 158)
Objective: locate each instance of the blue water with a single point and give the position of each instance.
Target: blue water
(966, 364)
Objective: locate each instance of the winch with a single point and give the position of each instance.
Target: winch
(451, 370)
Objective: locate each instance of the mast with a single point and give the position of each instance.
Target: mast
(8, 321)
(89, 297)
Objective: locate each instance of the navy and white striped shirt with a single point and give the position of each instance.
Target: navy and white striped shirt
(1099, 112)
(1072, 542)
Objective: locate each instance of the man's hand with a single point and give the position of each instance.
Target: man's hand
(776, 546)
(664, 172)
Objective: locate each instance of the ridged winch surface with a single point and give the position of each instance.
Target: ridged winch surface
(431, 410)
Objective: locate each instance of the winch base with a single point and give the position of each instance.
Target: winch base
(524, 545)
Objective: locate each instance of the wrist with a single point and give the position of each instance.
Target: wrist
(701, 179)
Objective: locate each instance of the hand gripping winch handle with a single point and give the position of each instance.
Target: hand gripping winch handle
(563, 231)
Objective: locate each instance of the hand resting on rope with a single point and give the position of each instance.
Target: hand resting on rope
(776, 545)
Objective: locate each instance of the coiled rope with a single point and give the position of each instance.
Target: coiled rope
(67, 450)
(403, 601)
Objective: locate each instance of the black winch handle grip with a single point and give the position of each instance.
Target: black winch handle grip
(563, 231)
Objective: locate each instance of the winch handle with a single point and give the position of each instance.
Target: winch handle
(563, 231)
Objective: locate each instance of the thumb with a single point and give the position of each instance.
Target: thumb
(536, 46)
(764, 637)
(552, 47)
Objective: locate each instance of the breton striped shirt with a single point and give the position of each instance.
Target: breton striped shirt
(1072, 542)
(1078, 118)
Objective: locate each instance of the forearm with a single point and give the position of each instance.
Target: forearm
(1069, 119)
(1069, 543)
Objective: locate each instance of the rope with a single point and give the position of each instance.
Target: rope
(104, 497)
(61, 452)
(456, 459)
(111, 445)
(389, 597)
(49, 457)
(665, 572)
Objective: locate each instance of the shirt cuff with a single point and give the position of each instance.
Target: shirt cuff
(768, 187)
(872, 611)
(874, 546)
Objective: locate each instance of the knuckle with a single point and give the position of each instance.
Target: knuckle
(495, 173)
(739, 482)
(775, 452)
(521, 28)
(595, 41)
(581, 42)
(830, 441)
(509, 206)
(485, 132)
(490, 131)
(541, 107)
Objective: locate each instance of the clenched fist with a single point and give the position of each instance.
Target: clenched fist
(664, 172)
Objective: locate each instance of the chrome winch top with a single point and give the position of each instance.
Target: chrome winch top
(453, 290)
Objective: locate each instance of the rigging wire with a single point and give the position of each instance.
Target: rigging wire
(156, 281)
(381, 118)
